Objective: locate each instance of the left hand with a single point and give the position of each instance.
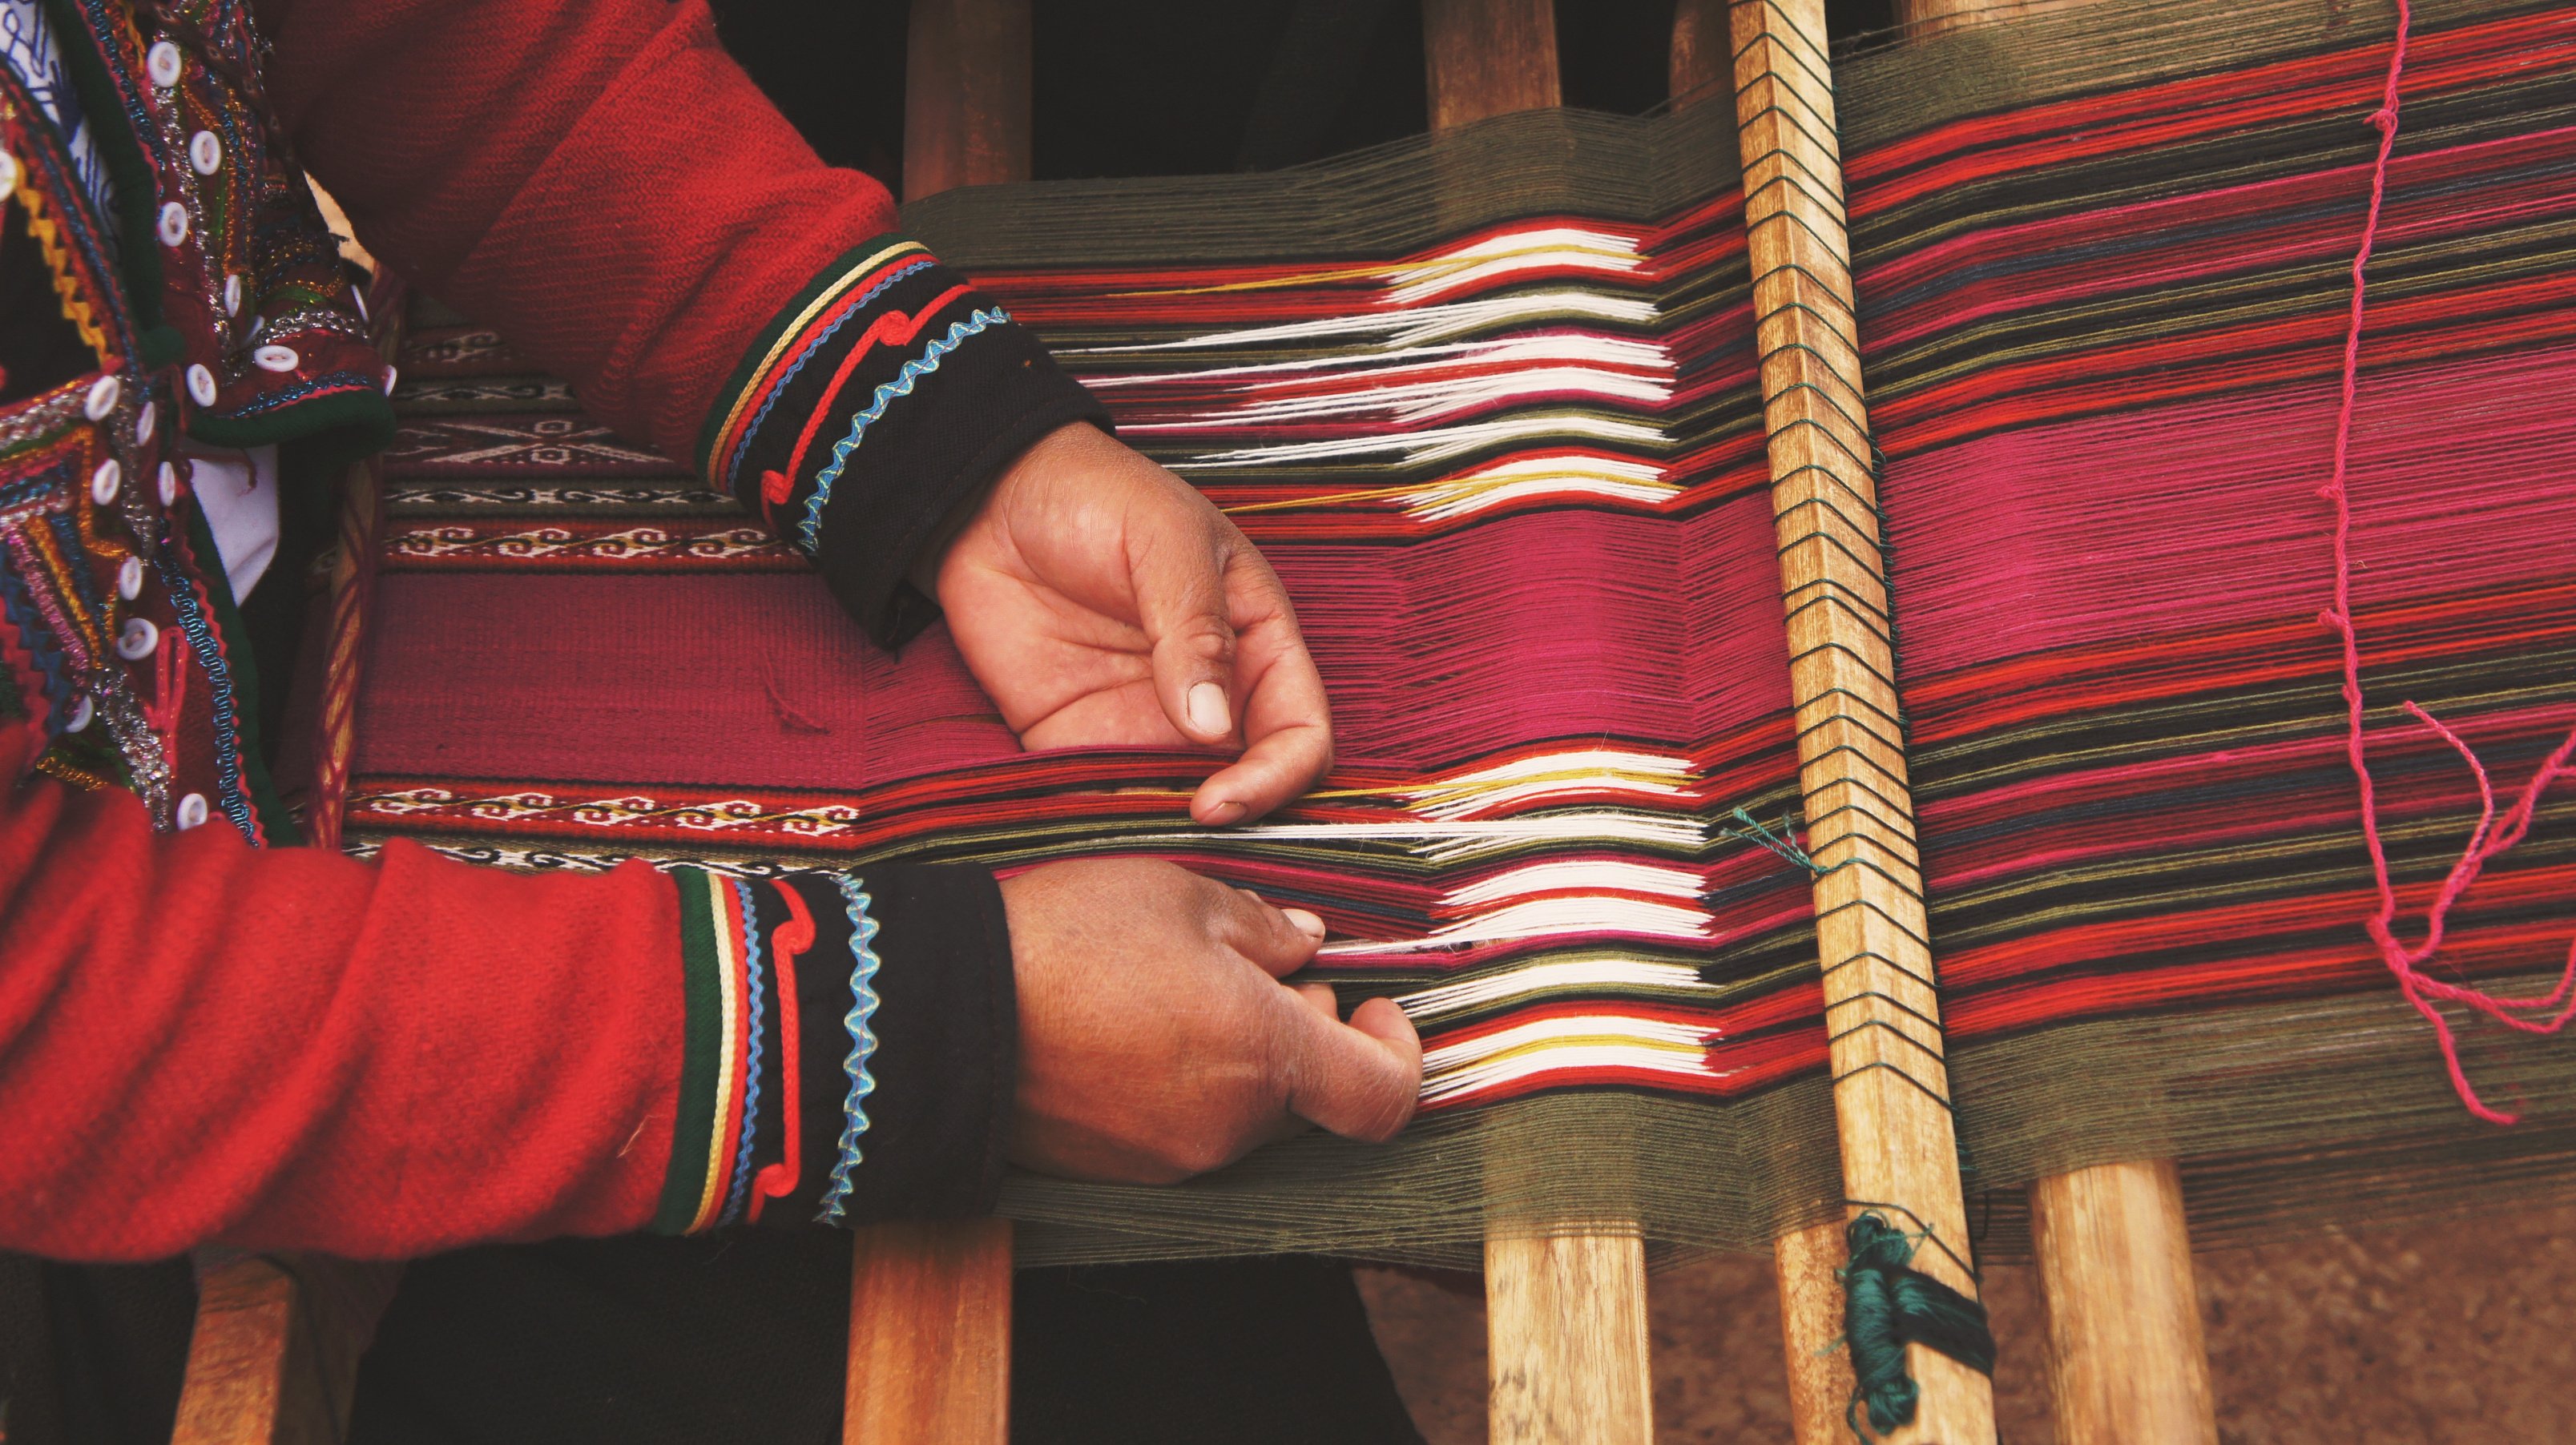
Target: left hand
(1101, 601)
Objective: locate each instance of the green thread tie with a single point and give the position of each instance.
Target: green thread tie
(1782, 844)
(1887, 1305)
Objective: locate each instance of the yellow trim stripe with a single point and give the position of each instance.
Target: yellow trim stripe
(729, 974)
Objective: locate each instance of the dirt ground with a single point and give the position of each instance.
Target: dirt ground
(2459, 1331)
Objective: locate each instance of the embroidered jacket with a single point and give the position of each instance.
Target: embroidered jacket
(205, 1035)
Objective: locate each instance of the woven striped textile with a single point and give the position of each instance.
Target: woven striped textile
(1489, 404)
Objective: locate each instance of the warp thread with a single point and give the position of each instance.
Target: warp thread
(2487, 839)
(1887, 1305)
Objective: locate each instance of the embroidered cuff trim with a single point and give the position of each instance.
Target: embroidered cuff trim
(863, 1043)
(809, 532)
(711, 1142)
(801, 333)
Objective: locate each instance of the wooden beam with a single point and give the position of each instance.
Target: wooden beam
(250, 1379)
(965, 95)
(2127, 1365)
(1700, 59)
(1882, 1013)
(930, 1303)
(1803, 1261)
(1488, 57)
(1565, 1308)
(1811, 1331)
(930, 1335)
(1567, 1340)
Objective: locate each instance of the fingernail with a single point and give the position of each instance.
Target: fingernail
(1207, 710)
(1223, 813)
(1307, 923)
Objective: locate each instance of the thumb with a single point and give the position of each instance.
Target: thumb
(1359, 1079)
(1280, 940)
(1180, 601)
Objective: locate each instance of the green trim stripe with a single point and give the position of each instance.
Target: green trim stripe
(694, 1121)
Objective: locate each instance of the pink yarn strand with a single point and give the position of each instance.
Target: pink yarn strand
(2488, 839)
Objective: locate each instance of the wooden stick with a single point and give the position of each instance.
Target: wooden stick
(2127, 1365)
(1702, 53)
(1891, 1089)
(249, 1380)
(1804, 1262)
(1566, 1330)
(930, 1303)
(965, 95)
(1565, 1307)
(930, 1335)
(1488, 57)
(1811, 1331)
(352, 593)
(2127, 1362)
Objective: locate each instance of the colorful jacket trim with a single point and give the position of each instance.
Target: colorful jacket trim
(860, 1021)
(215, 307)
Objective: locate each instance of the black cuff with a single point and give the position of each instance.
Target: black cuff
(945, 1061)
(883, 398)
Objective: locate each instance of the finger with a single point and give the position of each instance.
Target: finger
(1288, 724)
(1273, 771)
(1320, 998)
(1279, 941)
(1178, 571)
(1359, 1079)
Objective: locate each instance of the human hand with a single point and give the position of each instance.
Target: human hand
(1101, 601)
(1156, 1041)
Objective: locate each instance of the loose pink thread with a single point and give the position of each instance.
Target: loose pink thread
(2487, 840)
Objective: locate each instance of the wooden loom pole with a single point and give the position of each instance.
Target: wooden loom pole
(965, 95)
(1891, 1083)
(1488, 57)
(2127, 1361)
(1803, 1261)
(1565, 1303)
(247, 1383)
(930, 1303)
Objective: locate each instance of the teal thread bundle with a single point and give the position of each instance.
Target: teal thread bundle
(1887, 1305)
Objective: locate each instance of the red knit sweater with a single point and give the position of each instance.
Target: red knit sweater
(200, 1040)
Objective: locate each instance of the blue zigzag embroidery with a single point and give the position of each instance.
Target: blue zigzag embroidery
(740, 1194)
(809, 532)
(863, 1040)
(760, 418)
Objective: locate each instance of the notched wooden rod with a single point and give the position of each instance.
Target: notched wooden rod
(1899, 1148)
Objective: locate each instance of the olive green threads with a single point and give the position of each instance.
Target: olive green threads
(1887, 1305)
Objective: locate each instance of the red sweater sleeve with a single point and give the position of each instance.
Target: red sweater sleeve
(600, 181)
(595, 176)
(203, 1041)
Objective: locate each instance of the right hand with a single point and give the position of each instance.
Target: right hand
(1156, 1041)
